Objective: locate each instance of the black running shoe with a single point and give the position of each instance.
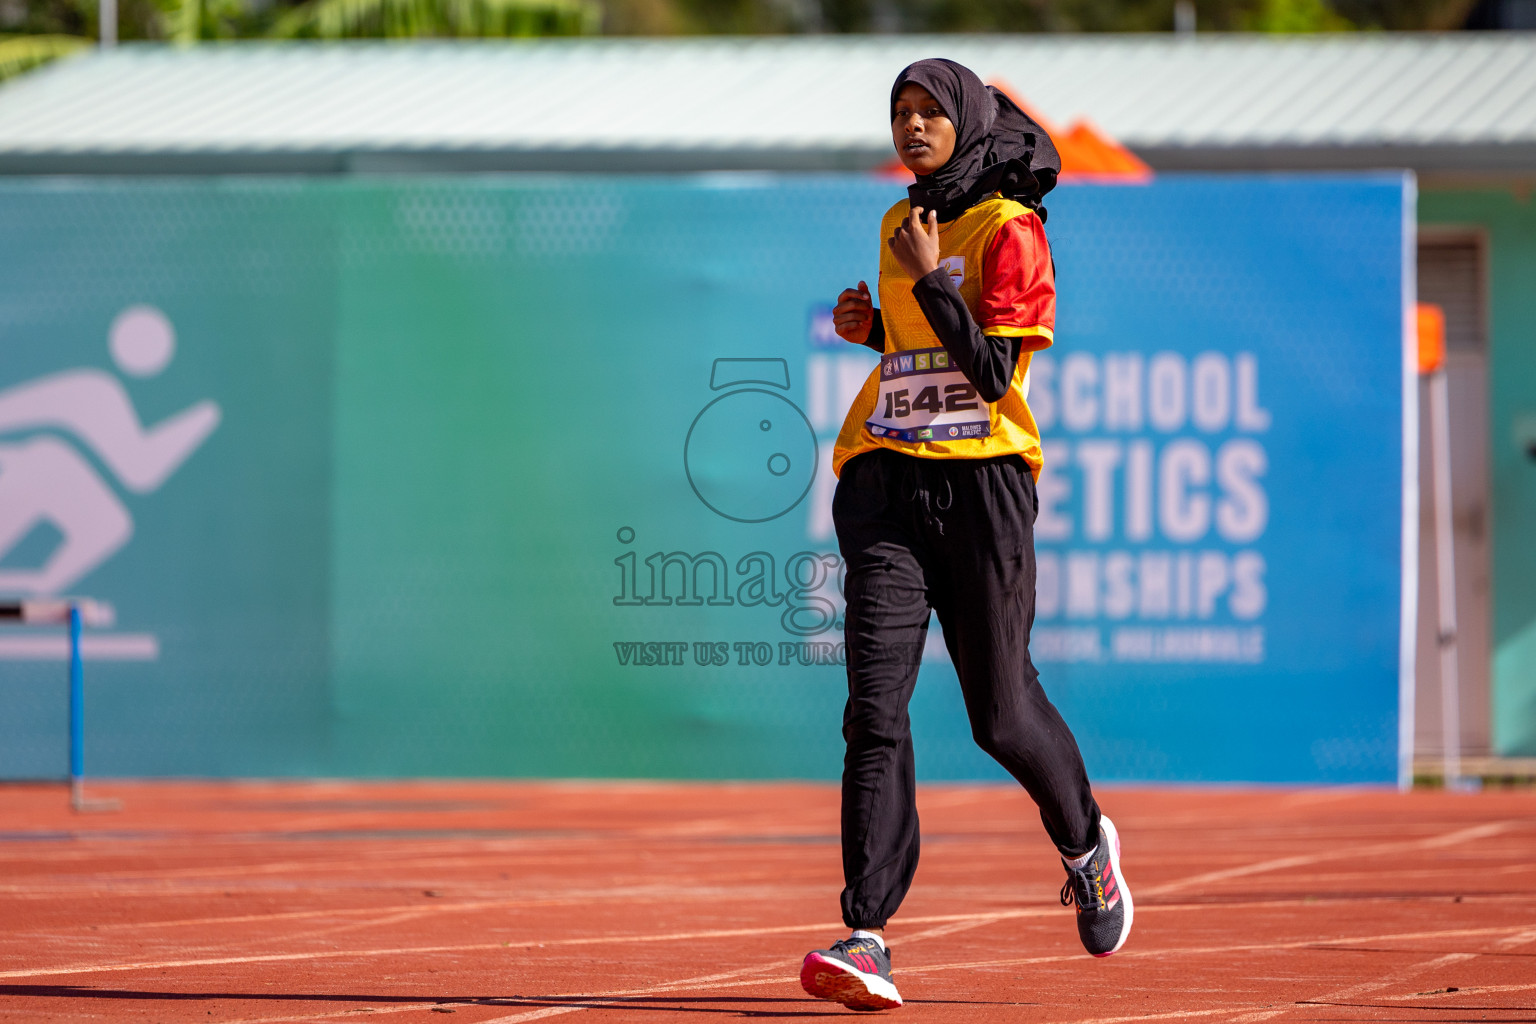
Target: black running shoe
(854, 972)
(1104, 908)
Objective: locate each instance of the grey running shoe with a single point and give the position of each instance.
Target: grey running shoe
(854, 972)
(1104, 908)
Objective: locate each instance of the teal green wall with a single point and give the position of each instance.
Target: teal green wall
(1509, 220)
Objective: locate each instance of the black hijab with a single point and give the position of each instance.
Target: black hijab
(998, 147)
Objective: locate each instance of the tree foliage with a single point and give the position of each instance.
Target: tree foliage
(35, 31)
(136, 19)
(22, 52)
(1137, 15)
(189, 21)
(397, 19)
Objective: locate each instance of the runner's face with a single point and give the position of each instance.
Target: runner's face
(923, 133)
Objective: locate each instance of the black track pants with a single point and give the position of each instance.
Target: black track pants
(955, 536)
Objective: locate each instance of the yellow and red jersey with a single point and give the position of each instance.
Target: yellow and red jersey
(997, 255)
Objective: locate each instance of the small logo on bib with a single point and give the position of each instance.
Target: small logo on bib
(954, 266)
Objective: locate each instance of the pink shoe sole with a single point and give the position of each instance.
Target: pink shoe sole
(831, 979)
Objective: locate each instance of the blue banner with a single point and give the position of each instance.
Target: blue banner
(1220, 530)
(529, 476)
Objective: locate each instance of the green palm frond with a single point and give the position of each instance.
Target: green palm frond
(185, 22)
(392, 19)
(1295, 16)
(18, 53)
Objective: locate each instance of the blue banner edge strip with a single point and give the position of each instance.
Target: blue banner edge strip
(1407, 648)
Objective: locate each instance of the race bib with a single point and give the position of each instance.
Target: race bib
(923, 397)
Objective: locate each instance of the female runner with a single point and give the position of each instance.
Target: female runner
(935, 509)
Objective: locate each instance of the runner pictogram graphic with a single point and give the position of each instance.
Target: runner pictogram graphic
(44, 477)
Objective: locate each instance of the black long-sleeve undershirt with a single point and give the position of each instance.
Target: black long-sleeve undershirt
(876, 339)
(987, 361)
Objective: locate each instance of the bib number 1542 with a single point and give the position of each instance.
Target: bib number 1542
(923, 397)
(957, 398)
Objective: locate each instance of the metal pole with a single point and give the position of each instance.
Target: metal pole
(1184, 18)
(76, 712)
(1445, 573)
(106, 16)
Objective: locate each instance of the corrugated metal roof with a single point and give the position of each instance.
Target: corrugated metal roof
(1455, 101)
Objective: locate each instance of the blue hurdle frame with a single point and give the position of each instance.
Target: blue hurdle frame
(73, 615)
(76, 712)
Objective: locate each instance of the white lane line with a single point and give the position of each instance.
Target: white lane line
(356, 1011)
(272, 958)
(1516, 941)
(1171, 1015)
(1394, 978)
(1343, 852)
(1138, 954)
(1464, 990)
(1373, 988)
(170, 948)
(417, 1006)
(722, 933)
(335, 929)
(300, 915)
(825, 926)
(579, 1002)
(981, 918)
(548, 1011)
(603, 1000)
(121, 886)
(617, 999)
(1253, 1013)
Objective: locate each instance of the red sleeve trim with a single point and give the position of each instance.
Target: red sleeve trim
(1018, 283)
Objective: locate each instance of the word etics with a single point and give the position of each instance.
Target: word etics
(1124, 391)
(680, 578)
(1181, 487)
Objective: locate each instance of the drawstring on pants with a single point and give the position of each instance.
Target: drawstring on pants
(916, 486)
(949, 496)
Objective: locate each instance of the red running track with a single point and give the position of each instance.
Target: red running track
(693, 902)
